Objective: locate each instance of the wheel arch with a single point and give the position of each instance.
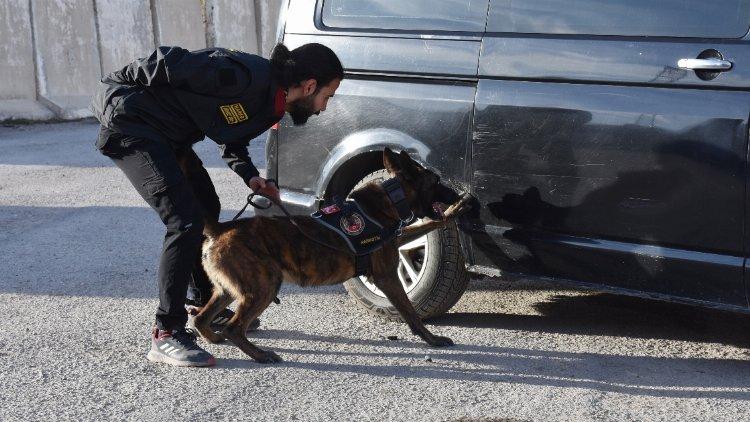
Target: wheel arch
(360, 154)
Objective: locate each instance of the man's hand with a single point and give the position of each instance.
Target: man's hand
(269, 189)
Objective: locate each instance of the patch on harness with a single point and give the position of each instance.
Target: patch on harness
(362, 234)
(352, 224)
(369, 240)
(331, 209)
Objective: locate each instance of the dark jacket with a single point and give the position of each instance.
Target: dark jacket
(178, 96)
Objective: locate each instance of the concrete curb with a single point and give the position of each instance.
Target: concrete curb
(24, 109)
(69, 107)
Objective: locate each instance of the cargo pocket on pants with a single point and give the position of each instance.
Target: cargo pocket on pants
(161, 170)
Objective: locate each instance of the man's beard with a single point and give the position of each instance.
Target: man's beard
(302, 109)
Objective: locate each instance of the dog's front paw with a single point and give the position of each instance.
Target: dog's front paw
(439, 341)
(267, 357)
(461, 207)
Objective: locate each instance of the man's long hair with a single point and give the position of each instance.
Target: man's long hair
(309, 61)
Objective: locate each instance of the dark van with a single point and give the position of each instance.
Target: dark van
(606, 142)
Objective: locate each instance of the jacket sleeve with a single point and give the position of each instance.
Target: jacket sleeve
(169, 66)
(238, 159)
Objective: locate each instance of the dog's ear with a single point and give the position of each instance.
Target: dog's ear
(391, 161)
(408, 166)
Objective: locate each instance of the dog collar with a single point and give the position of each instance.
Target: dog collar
(397, 196)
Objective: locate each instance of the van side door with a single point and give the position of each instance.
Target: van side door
(610, 144)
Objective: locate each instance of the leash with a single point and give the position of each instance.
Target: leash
(291, 220)
(250, 202)
(395, 194)
(397, 231)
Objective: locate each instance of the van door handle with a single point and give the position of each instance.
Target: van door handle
(705, 64)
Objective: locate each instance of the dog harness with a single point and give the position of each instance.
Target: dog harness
(362, 234)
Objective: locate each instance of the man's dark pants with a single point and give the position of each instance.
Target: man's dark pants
(181, 201)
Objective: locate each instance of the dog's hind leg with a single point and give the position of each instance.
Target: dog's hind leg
(248, 309)
(219, 300)
(385, 278)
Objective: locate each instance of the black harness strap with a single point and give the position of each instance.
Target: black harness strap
(362, 260)
(396, 194)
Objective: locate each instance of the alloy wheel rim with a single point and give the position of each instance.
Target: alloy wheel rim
(412, 261)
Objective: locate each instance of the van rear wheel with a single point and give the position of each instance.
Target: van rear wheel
(431, 270)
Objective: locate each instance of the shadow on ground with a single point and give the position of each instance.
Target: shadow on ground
(619, 316)
(51, 251)
(637, 375)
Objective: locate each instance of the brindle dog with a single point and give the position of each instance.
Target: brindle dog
(247, 259)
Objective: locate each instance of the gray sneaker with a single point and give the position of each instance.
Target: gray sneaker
(178, 348)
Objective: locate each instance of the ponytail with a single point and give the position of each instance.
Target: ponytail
(282, 63)
(309, 61)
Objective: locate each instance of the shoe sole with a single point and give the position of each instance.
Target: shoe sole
(160, 358)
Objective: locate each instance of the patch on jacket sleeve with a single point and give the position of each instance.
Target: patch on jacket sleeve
(234, 113)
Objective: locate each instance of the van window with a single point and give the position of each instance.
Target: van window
(658, 18)
(410, 15)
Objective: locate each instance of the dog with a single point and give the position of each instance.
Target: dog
(248, 259)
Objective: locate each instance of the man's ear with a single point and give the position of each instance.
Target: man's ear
(391, 161)
(309, 86)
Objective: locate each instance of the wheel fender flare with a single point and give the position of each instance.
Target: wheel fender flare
(370, 140)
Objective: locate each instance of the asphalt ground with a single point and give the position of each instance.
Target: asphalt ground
(78, 256)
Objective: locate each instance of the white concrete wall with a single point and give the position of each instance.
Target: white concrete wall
(232, 24)
(53, 52)
(268, 14)
(116, 18)
(16, 51)
(17, 73)
(67, 57)
(180, 22)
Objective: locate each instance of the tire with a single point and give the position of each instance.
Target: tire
(439, 265)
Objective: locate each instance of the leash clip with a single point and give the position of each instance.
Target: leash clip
(404, 223)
